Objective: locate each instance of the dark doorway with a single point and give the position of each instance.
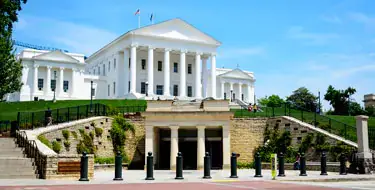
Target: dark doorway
(164, 150)
(188, 150)
(214, 146)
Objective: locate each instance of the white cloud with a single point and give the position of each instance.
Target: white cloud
(235, 52)
(310, 38)
(332, 19)
(362, 18)
(353, 70)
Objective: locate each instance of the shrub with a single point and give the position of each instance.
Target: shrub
(67, 145)
(44, 140)
(104, 160)
(307, 142)
(81, 131)
(92, 134)
(98, 131)
(75, 134)
(92, 124)
(66, 134)
(245, 165)
(119, 127)
(86, 145)
(56, 147)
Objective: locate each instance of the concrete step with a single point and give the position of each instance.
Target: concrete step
(15, 161)
(17, 176)
(12, 155)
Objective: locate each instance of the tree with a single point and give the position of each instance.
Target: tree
(355, 109)
(271, 101)
(303, 98)
(339, 99)
(10, 68)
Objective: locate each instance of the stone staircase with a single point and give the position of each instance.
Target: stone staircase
(13, 162)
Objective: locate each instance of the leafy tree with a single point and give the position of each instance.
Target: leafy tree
(339, 99)
(10, 68)
(271, 101)
(355, 109)
(370, 111)
(303, 98)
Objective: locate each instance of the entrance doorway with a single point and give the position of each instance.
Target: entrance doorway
(214, 146)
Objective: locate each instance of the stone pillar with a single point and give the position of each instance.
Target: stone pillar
(174, 146)
(150, 69)
(239, 91)
(198, 84)
(183, 73)
(226, 147)
(249, 95)
(133, 67)
(61, 80)
(222, 89)
(364, 155)
(47, 90)
(126, 71)
(166, 73)
(35, 81)
(149, 142)
(201, 145)
(213, 76)
(204, 77)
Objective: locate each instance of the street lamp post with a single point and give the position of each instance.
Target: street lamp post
(319, 102)
(146, 84)
(91, 96)
(54, 87)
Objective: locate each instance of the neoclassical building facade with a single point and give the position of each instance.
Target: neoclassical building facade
(168, 60)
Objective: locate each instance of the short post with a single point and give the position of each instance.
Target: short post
(364, 155)
(207, 166)
(233, 166)
(281, 165)
(84, 167)
(323, 164)
(179, 166)
(342, 164)
(150, 168)
(303, 165)
(118, 167)
(258, 165)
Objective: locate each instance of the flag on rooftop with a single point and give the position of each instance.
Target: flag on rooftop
(137, 12)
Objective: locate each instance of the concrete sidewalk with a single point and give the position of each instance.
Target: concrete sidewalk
(167, 176)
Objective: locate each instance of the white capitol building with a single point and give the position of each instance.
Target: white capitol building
(164, 60)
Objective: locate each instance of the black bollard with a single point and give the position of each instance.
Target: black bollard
(207, 166)
(118, 167)
(258, 165)
(233, 166)
(342, 164)
(281, 165)
(179, 166)
(323, 164)
(84, 167)
(303, 165)
(150, 168)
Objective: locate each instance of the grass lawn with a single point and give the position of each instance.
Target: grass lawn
(9, 110)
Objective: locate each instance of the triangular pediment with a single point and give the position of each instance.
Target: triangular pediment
(237, 74)
(176, 29)
(56, 56)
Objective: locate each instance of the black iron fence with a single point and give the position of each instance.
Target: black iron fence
(371, 137)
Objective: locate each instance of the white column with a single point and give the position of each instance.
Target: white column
(213, 76)
(47, 90)
(35, 82)
(226, 147)
(61, 80)
(201, 143)
(182, 73)
(222, 89)
(149, 142)
(204, 77)
(250, 98)
(126, 71)
(239, 91)
(174, 146)
(133, 72)
(150, 69)
(362, 134)
(166, 73)
(198, 84)
(231, 91)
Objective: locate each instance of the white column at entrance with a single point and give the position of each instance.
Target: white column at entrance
(150, 68)
(226, 147)
(126, 71)
(204, 77)
(213, 76)
(61, 80)
(198, 84)
(231, 91)
(133, 72)
(166, 73)
(182, 73)
(200, 147)
(250, 98)
(47, 89)
(149, 142)
(35, 81)
(222, 89)
(239, 91)
(174, 146)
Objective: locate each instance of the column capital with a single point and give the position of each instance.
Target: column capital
(150, 47)
(62, 68)
(183, 50)
(361, 117)
(213, 54)
(198, 53)
(134, 45)
(36, 65)
(49, 67)
(174, 127)
(240, 83)
(201, 127)
(167, 49)
(25, 66)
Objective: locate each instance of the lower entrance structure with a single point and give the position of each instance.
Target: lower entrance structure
(191, 128)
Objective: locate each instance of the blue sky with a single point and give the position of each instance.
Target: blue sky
(287, 44)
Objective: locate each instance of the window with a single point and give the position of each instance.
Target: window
(109, 67)
(143, 64)
(190, 91)
(175, 67)
(40, 84)
(114, 63)
(114, 88)
(93, 91)
(104, 70)
(159, 89)
(242, 97)
(225, 95)
(99, 70)
(109, 89)
(94, 72)
(189, 68)
(129, 86)
(143, 88)
(66, 85)
(53, 85)
(175, 90)
(160, 66)
(129, 62)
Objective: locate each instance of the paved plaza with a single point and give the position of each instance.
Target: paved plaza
(134, 179)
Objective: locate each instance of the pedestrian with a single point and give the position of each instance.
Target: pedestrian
(249, 108)
(255, 107)
(297, 162)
